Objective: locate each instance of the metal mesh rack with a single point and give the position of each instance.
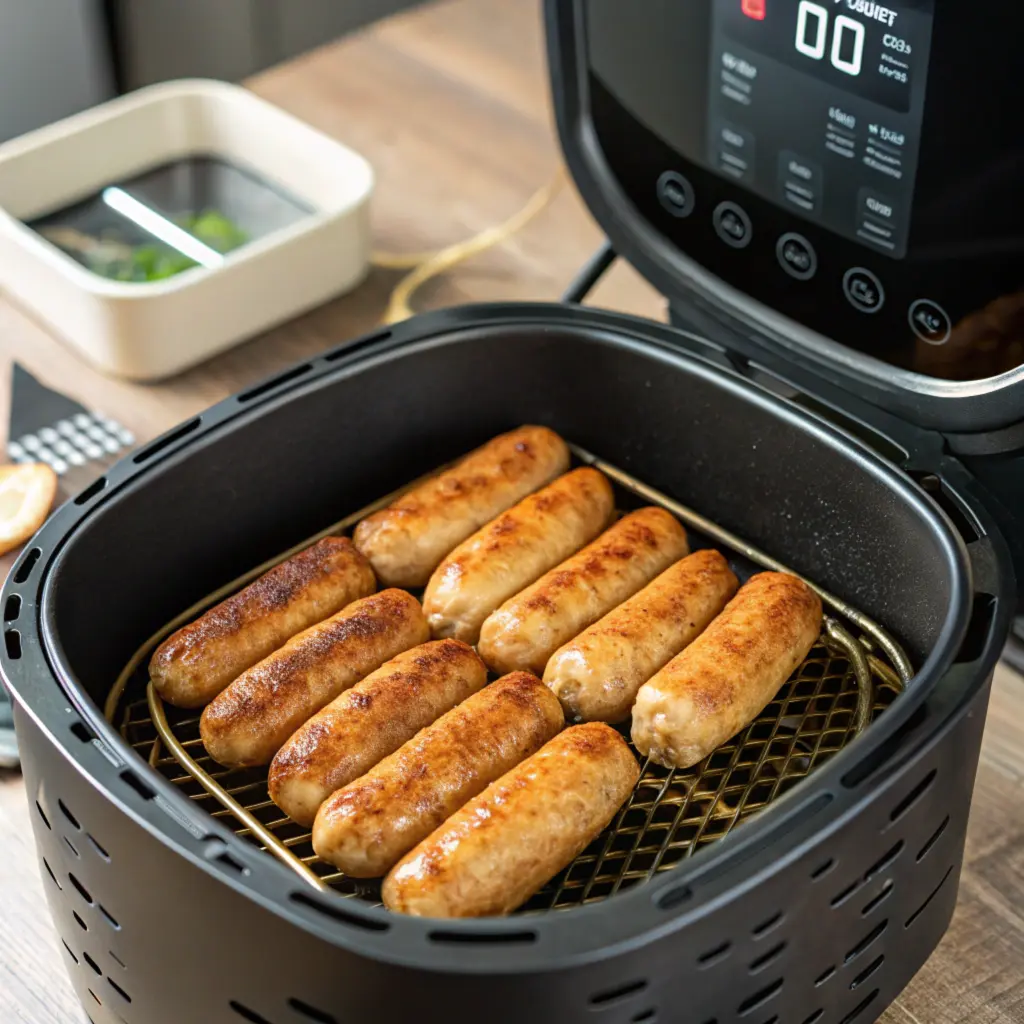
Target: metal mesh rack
(851, 676)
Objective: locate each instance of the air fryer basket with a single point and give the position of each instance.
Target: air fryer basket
(167, 916)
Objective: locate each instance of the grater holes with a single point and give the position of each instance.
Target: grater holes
(311, 1012)
(913, 796)
(759, 998)
(82, 891)
(713, 956)
(859, 1008)
(53, 877)
(614, 995)
(42, 815)
(932, 840)
(873, 903)
(935, 892)
(120, 991)
(12, 607)
(764, 960)
(868, 939)
(71, 952)
(92, 963)
(71, 846)
(766, 926)
(67, 814)
(867, 972)
(99, 850)
(78, 920)
(246, 1014)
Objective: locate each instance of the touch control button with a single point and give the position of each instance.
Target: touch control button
(797, 256)
(675, 193)
(863, 290)
(733, 225)
(930, 322)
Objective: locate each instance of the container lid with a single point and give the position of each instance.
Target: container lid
(783, 170)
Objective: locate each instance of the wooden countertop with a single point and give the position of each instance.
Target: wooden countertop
(450, 105)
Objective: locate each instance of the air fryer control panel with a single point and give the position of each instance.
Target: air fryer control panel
(854, 165)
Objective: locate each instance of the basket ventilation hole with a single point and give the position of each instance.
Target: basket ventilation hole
(913, 796)
(932, 840)
(763, 961)
(82, 891)
(613, 995)
(96, 997)
(311, 1012)
(815, 1017)
(91, 491)
(767, 926)
(336, 913)
(28, 563)
(71, 846)
(167, 440)
(712, 956)
(275, 382)
(246, 1014)
(79, 921)
(42, 814)
(482, 938)
(859, 1008)
(868, 939)
(935, 892)
(12, 608)
(70, 951)
(53, 877)
(882, 755)
(646, 1017)
(117, 960)
(675, 897)
(92, 963)
(348, 348)
(933, 485)
(228, 861)
(82, 732)
(867, 972)
(759, 998)
(96, 846)
(823, 869)
(137, 784)
(120, 991)
(872, 904)
(109, 917)
(979, 628)
(824, 976)
(67, 814)
(12, 641)
(884, 861)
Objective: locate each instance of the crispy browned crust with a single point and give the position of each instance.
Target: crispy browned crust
(726, 677)
(249, 721)
(597, 675)
(503, 845)
(528, 628)
(371, 720)
(406, 541)
(195, 663)
(365, 827)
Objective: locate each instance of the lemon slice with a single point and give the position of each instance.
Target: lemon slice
(26, 494)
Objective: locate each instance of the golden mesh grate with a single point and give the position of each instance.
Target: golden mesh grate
(841, 686)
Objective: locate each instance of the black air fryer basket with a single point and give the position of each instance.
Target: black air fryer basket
(819, 907)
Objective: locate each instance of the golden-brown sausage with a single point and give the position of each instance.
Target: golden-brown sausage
(730, 673)
(597, 675)
(367, 826)
(514, 550)
(406, 541)
(528, 628)
(249, 722)
(194, 664)
(369, 721)
(500, 848)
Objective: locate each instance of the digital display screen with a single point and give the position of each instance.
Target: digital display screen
(818, 105)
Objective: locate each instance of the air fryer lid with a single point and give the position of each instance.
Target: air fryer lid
(812, 173)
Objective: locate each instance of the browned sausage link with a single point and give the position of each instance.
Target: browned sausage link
(514, 550)
(528, 628)
(406, 541)
(727, 676)
(250, 721)
(597, 675)
(370, 721)
(365, 827)
(194, 664)
(499, 849)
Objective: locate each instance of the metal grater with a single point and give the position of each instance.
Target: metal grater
(46, 426)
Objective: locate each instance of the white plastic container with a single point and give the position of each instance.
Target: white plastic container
(149, 330)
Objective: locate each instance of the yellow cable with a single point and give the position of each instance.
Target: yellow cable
(425, 266)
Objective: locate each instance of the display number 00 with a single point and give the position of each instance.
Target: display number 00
(812, 37)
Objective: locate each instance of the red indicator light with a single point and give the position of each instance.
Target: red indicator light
(754, 9)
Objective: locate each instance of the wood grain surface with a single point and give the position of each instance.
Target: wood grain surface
(450, 105)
